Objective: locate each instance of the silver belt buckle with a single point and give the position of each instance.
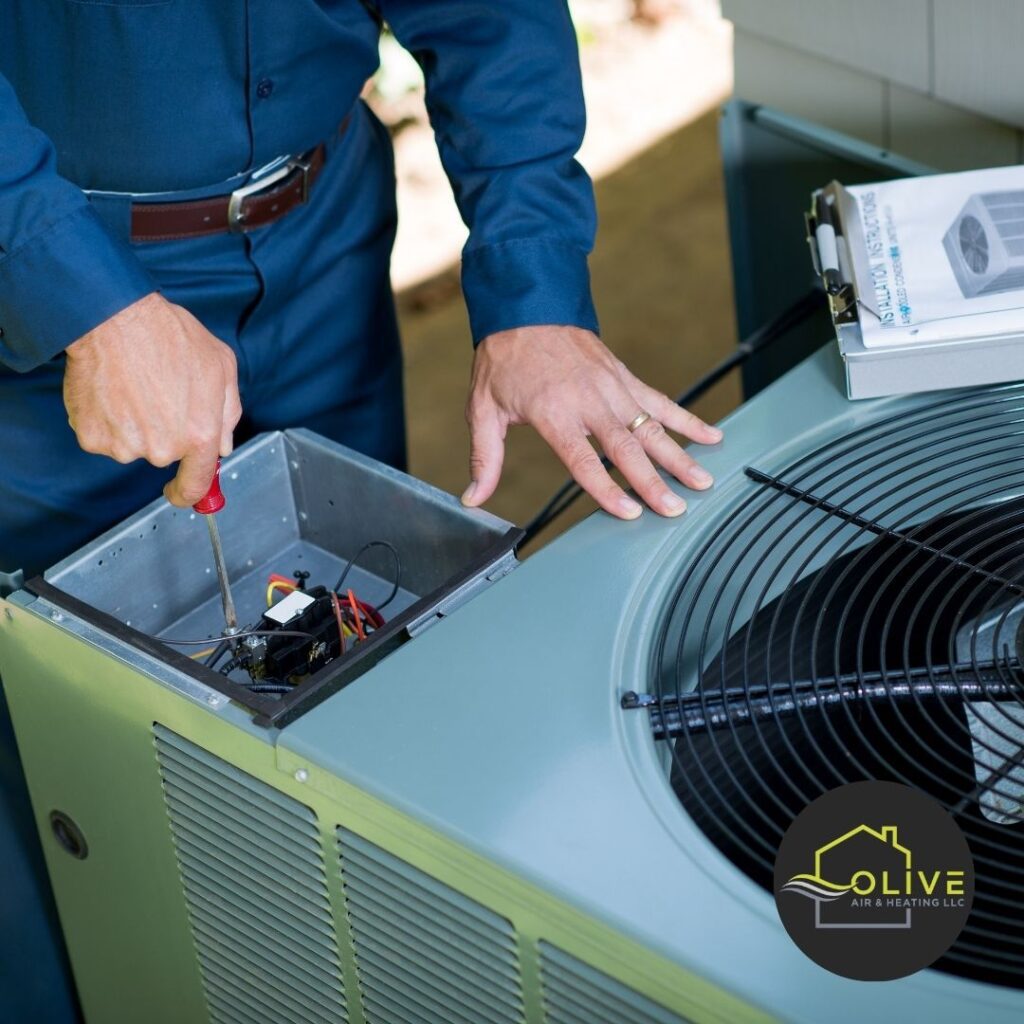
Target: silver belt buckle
(236, 216)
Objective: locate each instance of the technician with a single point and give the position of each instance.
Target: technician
(196, 218)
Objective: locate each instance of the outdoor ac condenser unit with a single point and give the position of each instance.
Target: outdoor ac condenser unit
(546, 807)
(985, 244)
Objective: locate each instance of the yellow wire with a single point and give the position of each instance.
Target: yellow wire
(203, 654)
(275, 585)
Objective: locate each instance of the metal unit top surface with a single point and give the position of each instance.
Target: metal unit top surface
(531, 762)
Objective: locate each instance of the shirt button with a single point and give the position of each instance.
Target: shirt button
(264, 87)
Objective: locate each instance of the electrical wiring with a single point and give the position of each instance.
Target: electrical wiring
(278, 584)
(277, 668)
(237, 636)
(218, 652)
(396, 583)
(336, 605)
(355, 613)
(375, 617)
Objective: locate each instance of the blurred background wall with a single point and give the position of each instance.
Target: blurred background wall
(939, 81)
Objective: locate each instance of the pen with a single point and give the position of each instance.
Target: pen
(825, 236)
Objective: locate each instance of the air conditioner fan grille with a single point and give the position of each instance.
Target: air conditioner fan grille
(859, 614)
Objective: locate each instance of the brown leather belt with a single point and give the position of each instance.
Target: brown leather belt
(254, 205)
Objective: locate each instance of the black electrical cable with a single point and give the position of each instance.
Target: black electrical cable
(355, 558)
(792, 316)
(237, 636)
(218, 652)
(269, 687)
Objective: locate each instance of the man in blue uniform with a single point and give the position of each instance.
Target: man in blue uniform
(196, 217)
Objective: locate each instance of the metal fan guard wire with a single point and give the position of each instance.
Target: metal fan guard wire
(818, 637)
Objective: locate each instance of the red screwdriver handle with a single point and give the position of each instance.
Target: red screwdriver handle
(214, 499)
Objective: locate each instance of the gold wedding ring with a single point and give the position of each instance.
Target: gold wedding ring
(638, 421)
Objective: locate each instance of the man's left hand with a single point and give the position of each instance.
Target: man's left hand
(569, 386)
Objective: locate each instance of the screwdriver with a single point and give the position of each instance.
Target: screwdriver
(208, 507)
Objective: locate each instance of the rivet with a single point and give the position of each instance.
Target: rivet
(301, 775)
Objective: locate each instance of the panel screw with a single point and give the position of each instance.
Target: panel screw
(213, 700)
(301, 775)
(57, 615)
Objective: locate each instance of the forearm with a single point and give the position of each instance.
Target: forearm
(506, 101)
(61, 271)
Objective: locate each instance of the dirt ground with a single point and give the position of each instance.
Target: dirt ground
(663, 288)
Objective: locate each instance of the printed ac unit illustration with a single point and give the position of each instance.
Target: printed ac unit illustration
(558, 804)
(985, 244)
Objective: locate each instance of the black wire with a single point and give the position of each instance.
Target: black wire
(268, 687)
(218, 652)
(792, 316)
(355, 558)
(236, 636)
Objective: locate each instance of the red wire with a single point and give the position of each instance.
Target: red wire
(336, 604)
(375, 617)
(355, 611)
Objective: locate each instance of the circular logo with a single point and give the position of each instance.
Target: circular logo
(874, 881)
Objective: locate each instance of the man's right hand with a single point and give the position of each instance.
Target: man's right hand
(152, 383)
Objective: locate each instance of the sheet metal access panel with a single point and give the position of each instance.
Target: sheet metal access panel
(294, 500)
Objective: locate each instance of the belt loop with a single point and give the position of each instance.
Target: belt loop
(116, 213)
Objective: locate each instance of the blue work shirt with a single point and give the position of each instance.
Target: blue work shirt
(164, 95)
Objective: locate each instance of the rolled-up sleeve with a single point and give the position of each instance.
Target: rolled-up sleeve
(62, 272)
(506, 103)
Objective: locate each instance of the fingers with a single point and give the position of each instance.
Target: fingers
(568, 439)
(628, 453)
(654, 440)
(673, 416)
(194, 476)
(486, 453)
(232, 405)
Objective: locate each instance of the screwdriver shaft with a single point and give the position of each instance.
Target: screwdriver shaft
(230, 618)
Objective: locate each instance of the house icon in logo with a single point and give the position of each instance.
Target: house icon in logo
(873, 866)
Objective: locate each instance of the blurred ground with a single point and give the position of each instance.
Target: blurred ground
(660, 269)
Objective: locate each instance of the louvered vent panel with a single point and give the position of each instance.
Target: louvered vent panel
(252, 869)
(424, 952)
(577, 994)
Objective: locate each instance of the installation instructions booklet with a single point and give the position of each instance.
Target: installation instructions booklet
(945, 257)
